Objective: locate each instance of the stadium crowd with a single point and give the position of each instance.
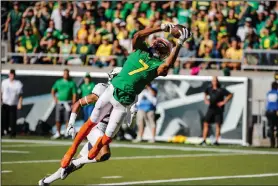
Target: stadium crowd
(101, 32)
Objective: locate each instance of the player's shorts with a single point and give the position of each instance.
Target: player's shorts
(62, 112)
(92, 137)
(146, 117)
(214, 116)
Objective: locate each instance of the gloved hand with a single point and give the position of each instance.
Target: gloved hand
(70, 131)
(184, 35)
(167, 27)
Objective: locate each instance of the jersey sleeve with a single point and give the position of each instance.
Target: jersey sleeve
(74, 88)
(54, 87)
(207, 90)
(226, 92)
(99, 89)
(20, 88)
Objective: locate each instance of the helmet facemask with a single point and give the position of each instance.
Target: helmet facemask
(162, 48)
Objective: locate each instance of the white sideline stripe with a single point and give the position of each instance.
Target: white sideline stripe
(192, 179)
(6, 171)
(15, 152)
(111, 177)
(32, 145)
(164, 147)
(130, 158)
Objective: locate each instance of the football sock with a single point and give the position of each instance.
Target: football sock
(83, 132)
(104, 140)
(82, 160)
(53, 177)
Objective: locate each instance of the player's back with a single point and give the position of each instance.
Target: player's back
(139, 70)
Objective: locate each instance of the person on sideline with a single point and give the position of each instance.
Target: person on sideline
(218, 97)
(11, 97)
(66, 90)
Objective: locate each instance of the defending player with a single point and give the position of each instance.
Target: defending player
(92, 137)
(142, 66)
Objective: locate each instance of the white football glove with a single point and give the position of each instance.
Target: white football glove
(184, 35)
(167, 27)
(70, 131)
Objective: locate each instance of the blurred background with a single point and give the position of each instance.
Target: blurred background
(230, 38)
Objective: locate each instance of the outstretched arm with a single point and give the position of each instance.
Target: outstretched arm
(92, 98)
(164, 68)
(140, 36)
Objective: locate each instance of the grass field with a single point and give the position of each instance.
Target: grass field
(25, 161)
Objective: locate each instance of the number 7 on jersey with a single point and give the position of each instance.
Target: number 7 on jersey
(145, 66)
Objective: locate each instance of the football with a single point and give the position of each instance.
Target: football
(175, 31)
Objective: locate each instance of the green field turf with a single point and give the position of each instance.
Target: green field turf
(151, 164)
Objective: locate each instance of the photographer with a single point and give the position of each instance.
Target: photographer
(218, 97)
(272, 112)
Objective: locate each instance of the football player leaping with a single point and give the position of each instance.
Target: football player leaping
(92, 137)
(142, 66)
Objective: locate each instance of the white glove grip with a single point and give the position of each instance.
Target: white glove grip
(72, 119)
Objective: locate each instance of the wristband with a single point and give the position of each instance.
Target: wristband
(73, 117)
(80, 103)
(86, 100)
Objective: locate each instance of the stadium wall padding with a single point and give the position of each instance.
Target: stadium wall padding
(180, 104)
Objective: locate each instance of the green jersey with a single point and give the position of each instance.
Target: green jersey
(86, 89)
(15, 20)
(65, 89)
(139, 70)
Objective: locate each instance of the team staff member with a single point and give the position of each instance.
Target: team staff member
(218, 97)
(86, 89)
(11, 95)
(66, 89)
(272, 112)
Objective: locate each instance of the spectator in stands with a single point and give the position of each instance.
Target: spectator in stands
(66, 89)
(21, 50)
(103, 53)
(216, 97)
(147, 101)
(235, 53)
(94, 37)
(50, 49)
(11, 96)
(272, 112)
(206, 42)
(84, 49)
(184, 13)
(84, 90)
(14, 19)
(231, 23)
(68, 19)
(43, 18)
(121, 20)
(66, 47)
(120, 53)
(82, 33)
(30, 42)
(244, 30)
(56, 16)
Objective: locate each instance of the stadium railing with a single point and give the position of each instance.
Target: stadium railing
(258, 59)
(255, 59)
